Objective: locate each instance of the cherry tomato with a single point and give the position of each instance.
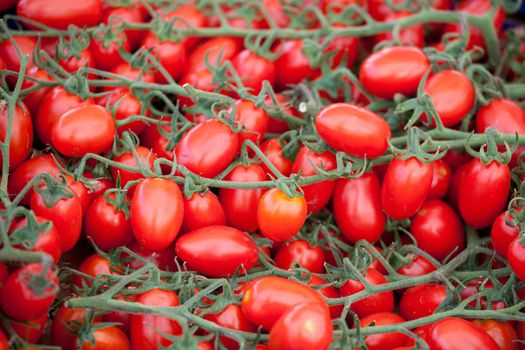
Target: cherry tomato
(85, 129)
(302, 253)
(502, 234)
(132, 73)
(154, 223)
(211, 50)
(272, 149)
(344, 48)
(327, 292)
(393, 70)
(145, 328)
(65, 322)
(317, 194)
(21, 133)
(128, 14)
(169, 54)
(380, 302)
(28, 292)
(516, 258)
(455, 333)
(47, 241)
(240, 205)
(126, 106)
(353, 130)
(59, 15)
(483, 192)
(164, 259)
(501, 332)
(276, 125)
(93, 266)
(34, 99)
(208, 148)
(107, 55)
(106, 225)
(107, 338)
(202, 210)
(253, 119)
(120, 317)
(405, 187)
(66, 215)
(292, 66)
(266, 299)
(384, 340)
(253, 70)
(418, 266)
(217, 251)
(421, 301)
(476, 287)
(279, 216)
(9, 53)
(190, 16)
(438, 229)
(410, 36)
(152, 138)
(145, 158)
(73, 63)
(357, 208)
(441, 176)
(303, 326)
(30, 331)
(231, 317)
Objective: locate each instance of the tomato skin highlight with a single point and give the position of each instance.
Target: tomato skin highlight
(266, 299)
(405, 187)
(393, 70)
(217, 251)
(483, 192)
(303, 326)
(357, 208)
(457, 334)
(354, 130)
(441, 177)
(279, 216)
(156, 224)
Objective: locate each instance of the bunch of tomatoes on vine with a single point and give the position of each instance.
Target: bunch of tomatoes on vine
(274, 174)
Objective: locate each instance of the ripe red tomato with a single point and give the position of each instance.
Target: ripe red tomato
(21, 133)
(384, 340)
(73, 63)
(272, 149)
(164, 259)
(327, 292)
(266, 299)
(24, 295)
(231, 317)
(410, 36)
(107, 338)
(202, 210)
(303, 326)
(276, 125)
(169, 54)
(145, 158)
(253, 119)
(67, 320)
(34, 99)
(453, 95)
(405, 187)
(253, 70)
(380, 302)
(357, 208)
(421, 301)
(240, 205)
(393, 70)
(502, 234)
(106, 56)
(279, 216)
(483, 192)
(292, 66)
(55, 103)
(301, 252)
(319, 193)
(224, 47)
(455, 333)
(127, 105)
(501, 332)
(438, 229)
(9, 53)
(354, 130)
(93, 266)
(441, 176)
(516, 258)
(132, 73)
(418, 266)
(59, 15)
(217, 251)
(30, 331)
(152, 138)
(154, 223)
(81, 191)
(343, 47)
(66, 216)
(145, 328)
(108, 227)
(47, 241)
(208, 148)
(85, 129)
(25, 172)
(128, 14)
(475, 287)
(520, 332)
(189, 16)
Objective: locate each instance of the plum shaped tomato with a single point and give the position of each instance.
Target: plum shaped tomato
(457, 334)
(354, 130)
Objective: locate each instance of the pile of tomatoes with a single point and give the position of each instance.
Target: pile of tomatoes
(277, 174)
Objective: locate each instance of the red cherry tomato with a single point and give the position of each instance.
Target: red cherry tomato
(21, 133)
(421, 301)
(418, 266)
(24, 296)
(253, 119)
(272, 149)
(253, 70)
(106, 56)
(65, 322)
(208, 148)
(292, 66)
(154, 222)
(30, 331)
(475, 287)
(353, 130)
(210, 50)
(164, 259)
(9, 53)
(327, 292)
(384, 340)
(94, 266)
(455, 334)
(483, 192)
(516, 258)
(380, 302)
(131, 73)
(317, 194)
(441, 176)
(129, 14)
(126, 106)
(169, 54)
(240, 205)
(189, 16)
(393, 70)
(73, 63)
(502, 234)
(276, 125)
(120, 317)
(266, 299)
(405, 187)
(279, 216)
(59, 15)
(33, 100)
(231, 317)
(303, 326)
(501, 332)
(357, 208)
(202, 210)
(409, 36)
(217, 251)
(107, 338)
(145, 158)
(301, 252)
(145, 329)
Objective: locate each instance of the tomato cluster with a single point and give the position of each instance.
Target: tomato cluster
(324, 174)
